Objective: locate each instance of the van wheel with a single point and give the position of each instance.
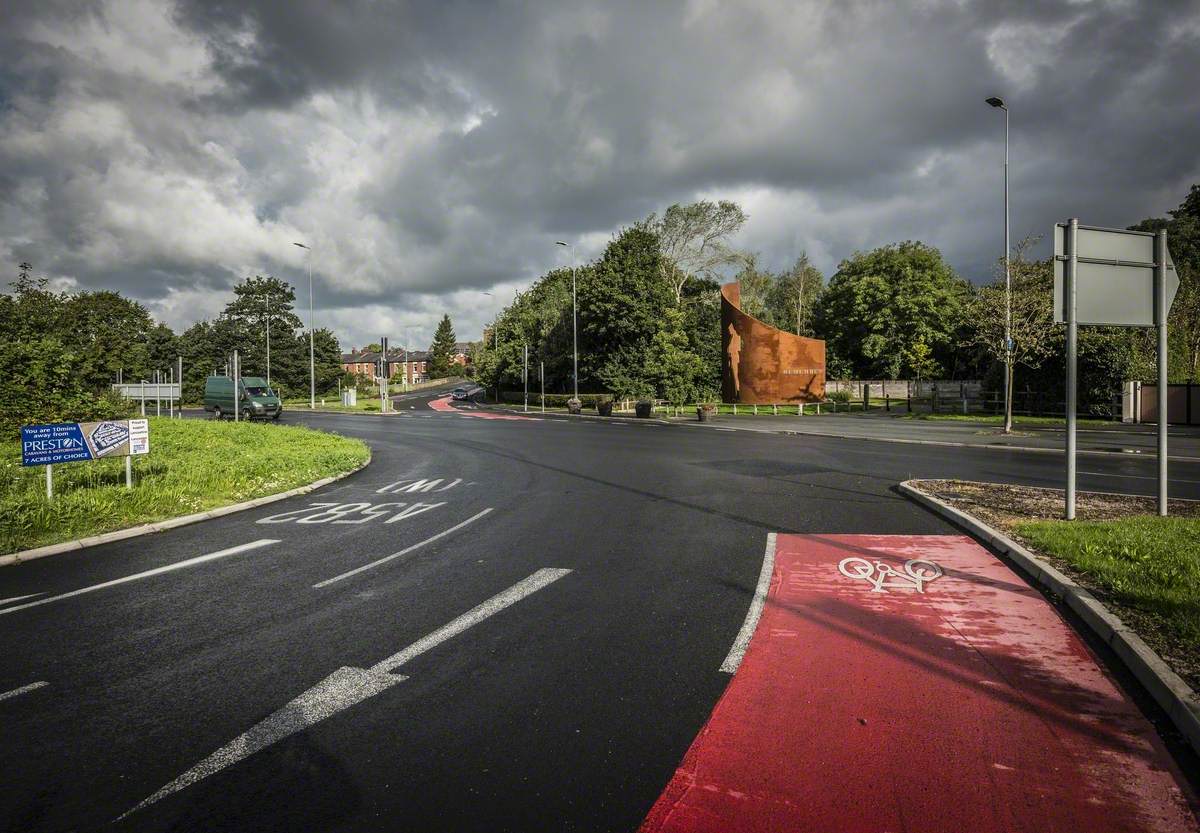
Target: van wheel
(217, 413)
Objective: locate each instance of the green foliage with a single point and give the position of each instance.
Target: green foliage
(441, 351)
(671, 366)
(880, 301)
(193, 465)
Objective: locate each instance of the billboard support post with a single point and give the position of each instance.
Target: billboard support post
(1072, 351)
(128, 472)
(50, 482)
(1160, 310)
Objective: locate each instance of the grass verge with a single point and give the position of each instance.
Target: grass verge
(193, 465)
(1144, 568)
(998, 419)
(1147, 565)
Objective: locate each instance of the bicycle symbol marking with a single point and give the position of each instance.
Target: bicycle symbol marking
(917, 573)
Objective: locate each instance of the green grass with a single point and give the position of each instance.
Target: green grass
(1148, 564)
(193, 465)
(333, 404)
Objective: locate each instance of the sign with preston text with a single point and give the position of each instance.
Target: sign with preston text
(70, 442)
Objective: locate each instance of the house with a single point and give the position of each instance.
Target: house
(401, 365)
(462, 353)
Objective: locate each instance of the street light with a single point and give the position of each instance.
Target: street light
(312, 364)
(999, 102)
(574, 315)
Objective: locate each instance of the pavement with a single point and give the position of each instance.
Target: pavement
(518, 623)
(1183, 441)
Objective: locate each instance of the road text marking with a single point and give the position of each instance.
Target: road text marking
(404, 551)
(346, 687)
(200, 559)
(25, 689)
(734, 659)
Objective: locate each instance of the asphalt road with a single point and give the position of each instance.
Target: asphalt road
(593, 575)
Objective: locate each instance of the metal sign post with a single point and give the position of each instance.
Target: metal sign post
(525, 375)
(179, 410)
(1070, 300)
(1161, 306)
(542, 376)
(237, 393)
(1113, 277)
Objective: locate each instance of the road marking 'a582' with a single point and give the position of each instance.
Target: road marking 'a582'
(350, 513)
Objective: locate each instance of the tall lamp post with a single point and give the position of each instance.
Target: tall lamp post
(1008, 345)
(268, 300)
(312, 364)
(574, 316)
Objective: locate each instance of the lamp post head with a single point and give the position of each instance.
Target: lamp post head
(997, 102)
(560, 243)
(301, 245)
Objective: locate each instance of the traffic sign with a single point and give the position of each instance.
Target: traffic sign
(1114, 278)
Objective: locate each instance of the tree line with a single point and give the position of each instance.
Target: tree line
(60, 352)
(649, 313)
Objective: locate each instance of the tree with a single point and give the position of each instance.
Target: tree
(756, 287)
(693, 240)
(441, 351)
(674, 370)
(794, 295)
(622, 301)
(1183, 241)
(879, 302)
(1032, 326)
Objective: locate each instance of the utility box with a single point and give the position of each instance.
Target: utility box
(350, 397)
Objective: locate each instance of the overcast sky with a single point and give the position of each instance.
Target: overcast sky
(431, 152)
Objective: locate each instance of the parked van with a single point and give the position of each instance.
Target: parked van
(257, 401)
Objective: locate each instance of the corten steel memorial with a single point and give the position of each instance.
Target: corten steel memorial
(761, 365)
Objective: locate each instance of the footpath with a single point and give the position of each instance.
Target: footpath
(1183, 443)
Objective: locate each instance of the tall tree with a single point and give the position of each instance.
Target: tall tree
(1032, 329)
(621, 305)
(693, 240)
(756, 286)
(441, 351)
(1183, 241)
(880, 301)
(794, 295)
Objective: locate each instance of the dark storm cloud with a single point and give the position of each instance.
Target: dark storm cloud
(429, 151)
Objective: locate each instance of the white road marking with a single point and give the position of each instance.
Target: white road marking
(742, 642)
(1134, 476)
(346, 687)
(404, 551)
(200, 559)
(18, 598)
(17, 692)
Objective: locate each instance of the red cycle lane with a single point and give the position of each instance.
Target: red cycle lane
(443, 404)
(877, 695)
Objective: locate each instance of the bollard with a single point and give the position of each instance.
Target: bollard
(756, 409)
(964, 407)
(775, 410)
(735, 409)
(887, 403)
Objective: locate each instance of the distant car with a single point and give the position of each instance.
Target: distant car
(459, 393)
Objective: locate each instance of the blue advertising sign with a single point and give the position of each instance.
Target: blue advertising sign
(68, 442)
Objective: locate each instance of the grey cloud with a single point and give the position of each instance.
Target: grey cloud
(428, 149)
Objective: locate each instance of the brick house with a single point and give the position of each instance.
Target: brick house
(365, 363)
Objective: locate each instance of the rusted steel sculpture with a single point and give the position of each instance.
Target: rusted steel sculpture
(761, 365)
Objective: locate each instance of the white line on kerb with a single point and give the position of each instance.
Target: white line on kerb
(404, 551)
(734, 659)
(346, 687)
(200, 559)
(17, 692)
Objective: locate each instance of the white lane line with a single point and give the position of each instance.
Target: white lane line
(1134, 476)
(346, 687)
(200, 559)
(404, 551)
(18, 598)
(497, 603)
(17, 692)
(734, 659)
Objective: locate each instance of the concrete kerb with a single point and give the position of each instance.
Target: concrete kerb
(170, 523)
(1168, 689)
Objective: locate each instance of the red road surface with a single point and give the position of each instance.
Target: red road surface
(971, 706)
(443, 404)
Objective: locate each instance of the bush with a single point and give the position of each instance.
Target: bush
(838, 396)
(555, 400)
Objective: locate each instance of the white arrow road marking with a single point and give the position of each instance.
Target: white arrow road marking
(17, 692)
(742, 642)
(200, 559)
(18, 598)
(345, 688)
(404, 551)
